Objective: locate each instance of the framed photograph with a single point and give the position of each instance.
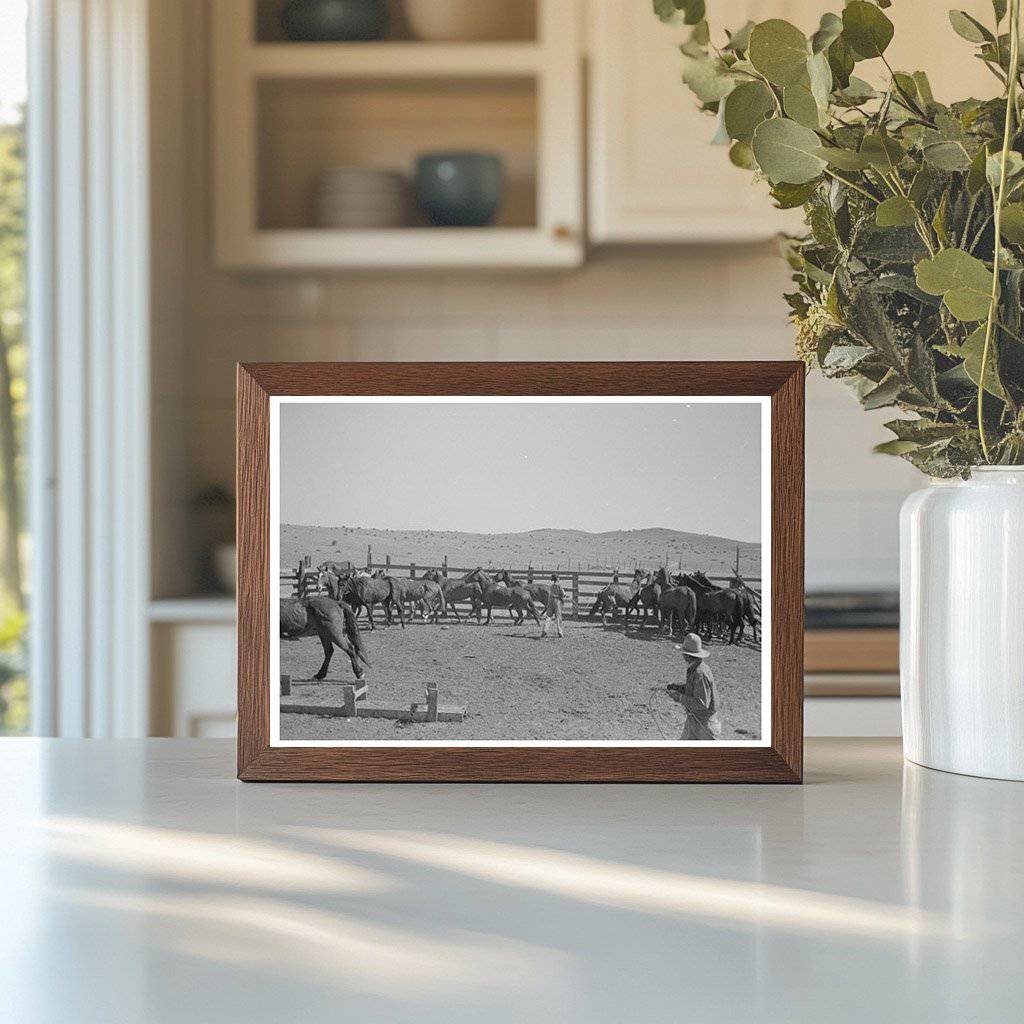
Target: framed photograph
(578, 572)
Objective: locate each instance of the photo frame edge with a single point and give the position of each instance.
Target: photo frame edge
(779, 762)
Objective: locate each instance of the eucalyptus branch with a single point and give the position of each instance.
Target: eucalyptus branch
(1011, 110)
(853, 185)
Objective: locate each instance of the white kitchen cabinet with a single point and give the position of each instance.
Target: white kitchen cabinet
(653, 177)
(285, 114)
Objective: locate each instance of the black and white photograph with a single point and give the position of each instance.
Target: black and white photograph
(519, 571)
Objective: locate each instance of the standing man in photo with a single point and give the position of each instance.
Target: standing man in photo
(697, 694)
(553, 609)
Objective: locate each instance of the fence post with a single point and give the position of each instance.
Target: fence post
(576, 593)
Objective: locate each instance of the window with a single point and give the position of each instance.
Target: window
(14, 691)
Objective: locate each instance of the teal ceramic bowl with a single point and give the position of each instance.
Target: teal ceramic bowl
(460, 189)
(334, 21)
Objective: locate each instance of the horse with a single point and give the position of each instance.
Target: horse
(645, 598)
(746, 610)
(674, 600)
(716, 605)
(366, 592)
(616, 596)
(456, 590)
(340, 569)
(538, 591)
(424, 593)
(516, 599)
(752, 604)
(333, 621)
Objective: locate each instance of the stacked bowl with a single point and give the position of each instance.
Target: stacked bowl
(362, 197)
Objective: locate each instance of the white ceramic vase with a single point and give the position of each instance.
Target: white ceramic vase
(962, 624)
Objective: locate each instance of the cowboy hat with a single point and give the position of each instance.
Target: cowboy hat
(692, 647)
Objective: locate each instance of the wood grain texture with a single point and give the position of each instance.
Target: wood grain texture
(780, 762)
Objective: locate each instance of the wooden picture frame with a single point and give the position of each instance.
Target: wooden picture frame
(780, 759)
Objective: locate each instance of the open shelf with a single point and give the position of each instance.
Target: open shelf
(309, 127)
(285, 114)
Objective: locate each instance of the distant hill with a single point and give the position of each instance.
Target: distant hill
(544, 549)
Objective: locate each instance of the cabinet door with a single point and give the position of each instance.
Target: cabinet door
(654, 176)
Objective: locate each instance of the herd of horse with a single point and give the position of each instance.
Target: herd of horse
(687, 601)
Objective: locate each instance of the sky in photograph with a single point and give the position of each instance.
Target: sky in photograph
(510, 467)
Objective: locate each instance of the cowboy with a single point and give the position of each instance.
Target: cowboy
(697, 694)
(553, 609)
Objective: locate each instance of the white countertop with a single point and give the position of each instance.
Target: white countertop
(140, 882)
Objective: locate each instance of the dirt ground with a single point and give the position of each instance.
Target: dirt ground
(595, 684)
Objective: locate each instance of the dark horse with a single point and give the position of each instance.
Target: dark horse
(516, 599)
(456, 590)
(678, 601)
(333, 621)
(715, 606)
(365, 592)
(538, 591)
(730, 607)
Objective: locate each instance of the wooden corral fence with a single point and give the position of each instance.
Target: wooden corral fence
(581, 586)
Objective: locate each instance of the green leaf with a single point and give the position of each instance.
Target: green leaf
(701, 34)
(841, 63)
(895, 447)
(779, 51)
(883, 152)
(993, 167)
(947, 156)
(819, 74)
(1012, 224)
(801, 106)
(690, 12)
(922, 185)
(976, 174)
(788, 197)
(895, 212)
(844, 159)
(923, 431)
(739, 41)
(857, 91)
(787, 151)
(924, 88)
(885, 394)
(866, 29)
(707, 78)
(666, 10)
(829, 30)
(969, 28)
(963, 281)
(741, 155)
(745, 108)
(971, 351)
